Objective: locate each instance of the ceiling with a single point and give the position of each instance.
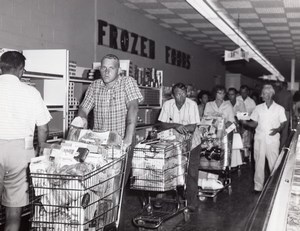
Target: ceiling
(273, 26)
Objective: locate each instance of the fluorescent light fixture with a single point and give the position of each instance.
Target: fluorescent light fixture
(214, 15)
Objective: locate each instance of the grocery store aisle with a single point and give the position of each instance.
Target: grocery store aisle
(229, 212)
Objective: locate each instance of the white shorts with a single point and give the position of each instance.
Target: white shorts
(14, 161)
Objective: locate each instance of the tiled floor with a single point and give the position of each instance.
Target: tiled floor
(229, 212)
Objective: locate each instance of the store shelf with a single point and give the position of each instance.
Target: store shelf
(146, 87)
(80, 80)
(73, 108)
(55, 108)
(40, 75)
(142, 126)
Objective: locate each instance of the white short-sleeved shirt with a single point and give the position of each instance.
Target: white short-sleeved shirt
(21, 108)
(188, 113)
(249, 104)
(239, 106)
(225, 110)
(267, 119)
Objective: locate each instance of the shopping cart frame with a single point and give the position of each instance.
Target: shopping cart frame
(152, 218)
(223, 170)
(116, 194)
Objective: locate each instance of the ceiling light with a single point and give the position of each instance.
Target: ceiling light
(215, 15)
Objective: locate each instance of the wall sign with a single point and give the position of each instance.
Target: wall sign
(178, 58)
(121, 39)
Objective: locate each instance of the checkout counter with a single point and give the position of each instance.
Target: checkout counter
(278, 207)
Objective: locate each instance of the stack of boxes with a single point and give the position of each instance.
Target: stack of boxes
(145, 76)
(73, 102)
(72, 68)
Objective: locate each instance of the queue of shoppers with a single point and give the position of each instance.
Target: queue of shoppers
(114, 100)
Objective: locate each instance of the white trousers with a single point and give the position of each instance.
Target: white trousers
(263, 150)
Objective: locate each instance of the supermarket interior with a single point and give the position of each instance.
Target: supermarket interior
(193, 106)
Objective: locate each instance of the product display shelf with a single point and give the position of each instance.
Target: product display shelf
(80, 80)
(278, 206)
(50, 81)
(39, 75)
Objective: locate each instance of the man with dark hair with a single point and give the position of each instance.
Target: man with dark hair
(203, 98)
(247, 133)
(22, 108)
(249, 103)
(181, 113)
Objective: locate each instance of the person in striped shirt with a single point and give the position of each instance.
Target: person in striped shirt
(22, 108)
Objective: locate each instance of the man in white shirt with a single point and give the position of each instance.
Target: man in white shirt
(238, 106)
(247, 133)
(268, 119)
(22, 108)
(181, 113)
(249, 103)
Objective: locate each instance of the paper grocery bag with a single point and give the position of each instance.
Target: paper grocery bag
(237, 142)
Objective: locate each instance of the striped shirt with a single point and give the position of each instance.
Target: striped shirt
(21, 108)
(110, 104)
(188, 113)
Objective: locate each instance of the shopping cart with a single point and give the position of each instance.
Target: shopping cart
(79, 202)
(215, 156)
(160, 167)
(220, 166)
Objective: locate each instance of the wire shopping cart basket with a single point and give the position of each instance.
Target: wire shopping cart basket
(79, 202)
(160, 167)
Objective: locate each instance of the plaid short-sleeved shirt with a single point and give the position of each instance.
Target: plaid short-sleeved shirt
(110, 104)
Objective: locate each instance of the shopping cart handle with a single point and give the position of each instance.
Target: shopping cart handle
(152, 141)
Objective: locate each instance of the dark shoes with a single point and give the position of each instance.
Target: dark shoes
(256, 192)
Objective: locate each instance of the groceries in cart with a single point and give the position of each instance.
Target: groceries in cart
(160, 166)
(212, 131)
(214, 142)
(77, 184)
(209, 181)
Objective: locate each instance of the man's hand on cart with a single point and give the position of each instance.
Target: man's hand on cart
(182, 129)
(126, 145)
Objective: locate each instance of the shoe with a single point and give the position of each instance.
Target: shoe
(256, 192)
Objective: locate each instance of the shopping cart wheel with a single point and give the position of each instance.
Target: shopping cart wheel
(141, 223)
(229, 190)
(202, 198)
(149, 209)
(186, 215)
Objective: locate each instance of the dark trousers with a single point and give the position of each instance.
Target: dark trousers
(192, 177)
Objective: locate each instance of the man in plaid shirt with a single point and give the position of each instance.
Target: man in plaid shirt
(114, 99)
